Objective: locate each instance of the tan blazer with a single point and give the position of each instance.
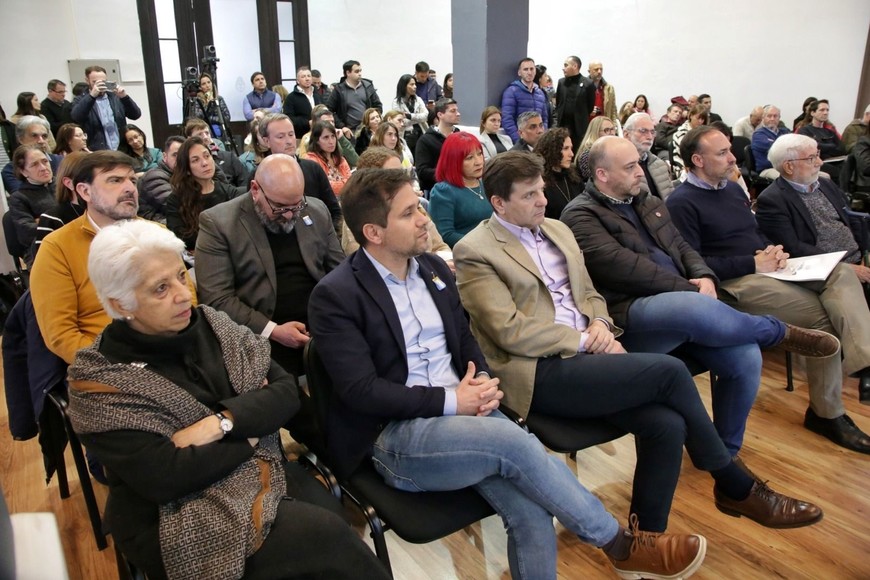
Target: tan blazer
(512, 312)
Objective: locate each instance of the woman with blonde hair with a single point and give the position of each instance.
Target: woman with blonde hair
(598, 127)
(370, 121)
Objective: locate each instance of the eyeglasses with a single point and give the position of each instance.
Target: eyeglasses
(609, 131)
(649, 132)
(811, 158)
(281, 210)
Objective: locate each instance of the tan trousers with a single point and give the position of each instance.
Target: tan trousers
(836, 305)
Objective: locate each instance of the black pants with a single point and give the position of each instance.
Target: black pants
(309, 539)
(652, 396)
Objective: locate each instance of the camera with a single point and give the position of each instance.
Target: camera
(191, 83)
(111, 85)
(209, 55)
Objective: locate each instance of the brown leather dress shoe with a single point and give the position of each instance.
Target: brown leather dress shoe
(769, 508)
(661, 556)
(841, 430)
(814, 343)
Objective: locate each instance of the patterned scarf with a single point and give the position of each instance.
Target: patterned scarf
(208, 533)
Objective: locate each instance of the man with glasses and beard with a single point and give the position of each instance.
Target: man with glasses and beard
(259, 255)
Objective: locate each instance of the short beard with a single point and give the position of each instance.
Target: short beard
(274, 227)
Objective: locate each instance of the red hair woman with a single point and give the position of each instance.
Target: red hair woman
(458, 203)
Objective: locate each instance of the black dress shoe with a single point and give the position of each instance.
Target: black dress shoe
(841, 431)
(864, 387)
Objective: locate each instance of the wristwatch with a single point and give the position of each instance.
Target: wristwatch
(226, 423)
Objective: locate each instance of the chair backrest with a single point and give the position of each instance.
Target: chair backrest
(860, 224)
(12, 245)
(320, 389)
(749, 158)
(847, 172)
(739, 148)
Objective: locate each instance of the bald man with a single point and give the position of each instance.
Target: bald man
(259, 256)
(746, 126)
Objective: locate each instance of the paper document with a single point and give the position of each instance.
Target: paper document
(808, 268)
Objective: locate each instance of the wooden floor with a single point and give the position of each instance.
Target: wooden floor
(777, 448)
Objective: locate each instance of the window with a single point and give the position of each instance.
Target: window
(248, 35)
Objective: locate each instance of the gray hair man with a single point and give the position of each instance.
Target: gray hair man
(802, 192)
(30, 130)
(530, 126)
(762, 139)
(639, 129)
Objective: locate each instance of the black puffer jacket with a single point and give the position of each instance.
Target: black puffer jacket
(617, 256)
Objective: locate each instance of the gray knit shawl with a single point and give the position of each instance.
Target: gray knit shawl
(208, 533)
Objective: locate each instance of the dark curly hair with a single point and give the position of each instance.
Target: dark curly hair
(549, 148)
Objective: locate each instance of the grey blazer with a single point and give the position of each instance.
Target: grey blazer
(235, 270)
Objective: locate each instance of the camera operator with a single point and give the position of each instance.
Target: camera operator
(211, 108)
(103, 111)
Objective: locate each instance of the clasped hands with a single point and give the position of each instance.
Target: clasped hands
(771, 259)
(477, 395)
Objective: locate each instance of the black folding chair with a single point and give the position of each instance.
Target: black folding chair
(756, 183)
(418, 518)
(58, 398)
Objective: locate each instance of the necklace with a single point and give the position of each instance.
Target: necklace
(478, 191)
(567, 193)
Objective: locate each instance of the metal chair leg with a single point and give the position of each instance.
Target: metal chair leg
(82, 469)
(789, 379)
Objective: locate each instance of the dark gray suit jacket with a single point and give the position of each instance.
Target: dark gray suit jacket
(785, 219)
(235, 269)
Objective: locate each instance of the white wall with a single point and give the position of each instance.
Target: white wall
(37, 37)
(387, 37)
(737, 52)
(741, 52)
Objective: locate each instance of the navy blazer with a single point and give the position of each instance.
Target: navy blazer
(359, 337)
(784, 218)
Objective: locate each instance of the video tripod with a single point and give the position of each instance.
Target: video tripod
(192, 88)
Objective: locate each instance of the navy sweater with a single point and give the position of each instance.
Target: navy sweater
(720, 226)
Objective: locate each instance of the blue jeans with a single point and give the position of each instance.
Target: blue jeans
(509, 468)
(725, 340)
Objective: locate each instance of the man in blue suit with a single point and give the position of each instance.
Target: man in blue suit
(413, 395)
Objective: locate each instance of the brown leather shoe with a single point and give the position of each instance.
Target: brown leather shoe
(814, 343)
(661, 556)
(769, 508)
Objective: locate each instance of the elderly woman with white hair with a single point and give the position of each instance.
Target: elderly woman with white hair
(198, 484)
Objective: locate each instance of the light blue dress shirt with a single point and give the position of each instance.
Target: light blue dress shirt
(430, 363)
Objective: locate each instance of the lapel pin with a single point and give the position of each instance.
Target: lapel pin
(438, 283)
(306, 219)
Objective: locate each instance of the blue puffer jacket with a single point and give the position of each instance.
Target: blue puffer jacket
(517, 99)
